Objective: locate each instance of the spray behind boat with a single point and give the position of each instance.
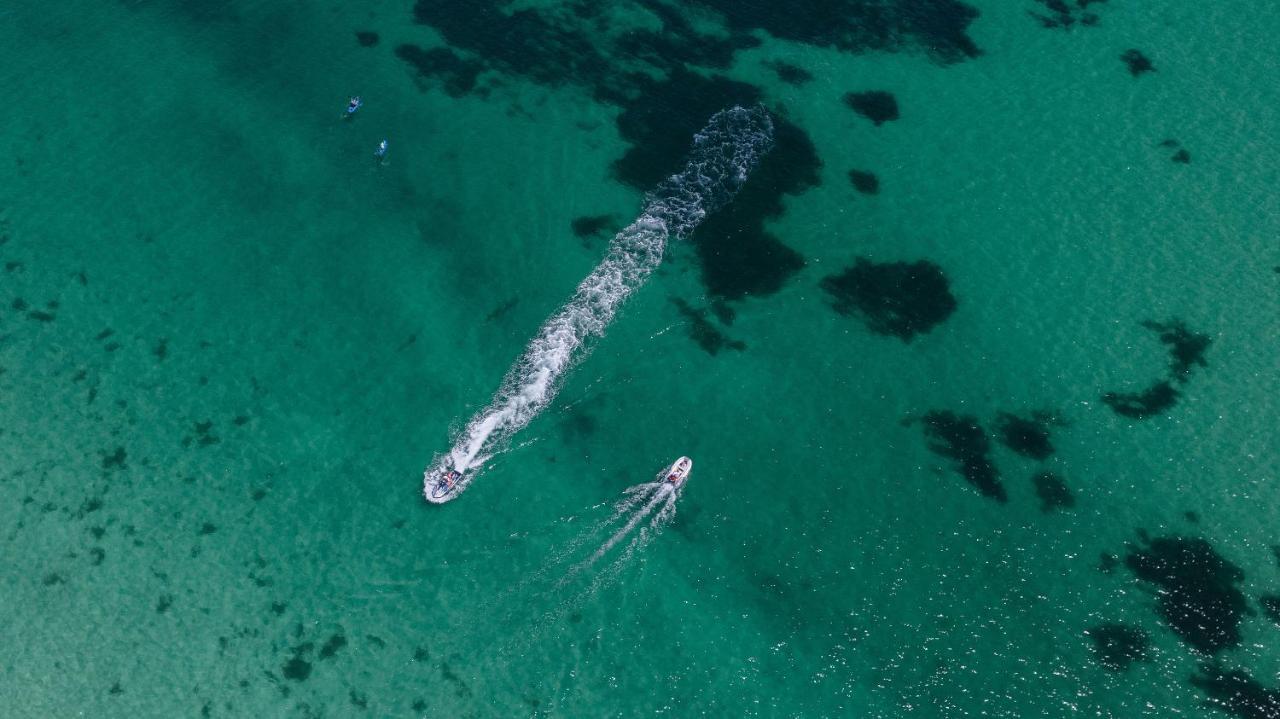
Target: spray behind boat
(723, 154)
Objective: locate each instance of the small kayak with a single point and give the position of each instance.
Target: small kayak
(678, 472)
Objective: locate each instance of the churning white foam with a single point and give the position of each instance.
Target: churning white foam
(723, 153)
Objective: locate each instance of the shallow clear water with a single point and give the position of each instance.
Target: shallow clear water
(231, 341)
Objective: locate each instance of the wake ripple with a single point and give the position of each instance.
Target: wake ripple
(594, 559)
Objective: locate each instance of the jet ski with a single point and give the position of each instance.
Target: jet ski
(678, 472)
(354, 104)
(446, 481)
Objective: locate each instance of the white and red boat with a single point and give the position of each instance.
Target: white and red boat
(678, 472)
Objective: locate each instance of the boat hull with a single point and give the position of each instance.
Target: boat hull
(678, 473)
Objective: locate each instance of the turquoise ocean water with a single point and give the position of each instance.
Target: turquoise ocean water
(231, 340)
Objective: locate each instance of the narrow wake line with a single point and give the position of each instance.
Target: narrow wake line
(663, 494)
(595, 558)
(723, 153)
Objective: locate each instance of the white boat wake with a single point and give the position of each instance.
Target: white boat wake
(723, 153)
(636, 520)
(592, 560)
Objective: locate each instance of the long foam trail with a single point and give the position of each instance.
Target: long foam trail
(723, 153)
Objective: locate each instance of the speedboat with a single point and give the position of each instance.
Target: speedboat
(439, 488)
(678, 472)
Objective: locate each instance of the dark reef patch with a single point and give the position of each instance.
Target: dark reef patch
(961, 439)
(297, 668)
(939, 27)
(865, 182)
(1053, 492)
(502, 310)
(1137, 63)
(592, 225)
(737, 256)
(659, 136)
(1199, 594)
(1186, 348)
(1270, 604)
(1181, 156)
(877, 106)
(1154, 400)
(1186, 351)
(723, 312)
(1063, 14)
(704, 332)
(898, 299)
(460, 687)
(679, 39)
(1117, 646)
(457, 76)
(203, 437)
(115, 460)
(1028, 436)
(646, 72)
(366, 38)
(578, 424)
(1235, 692)
(578, 43)
(788, 73)
(1107, 562)
(550, 47)
(333, 645)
